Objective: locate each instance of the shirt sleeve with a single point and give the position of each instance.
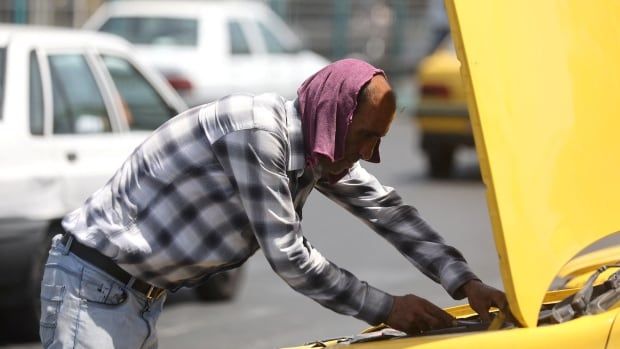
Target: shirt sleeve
(256, 162)
(384, 211)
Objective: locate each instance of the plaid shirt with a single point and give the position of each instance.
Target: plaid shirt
(219, 181)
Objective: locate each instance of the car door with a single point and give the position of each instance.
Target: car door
(84, 132)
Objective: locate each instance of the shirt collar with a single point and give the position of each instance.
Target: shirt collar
(296, 157)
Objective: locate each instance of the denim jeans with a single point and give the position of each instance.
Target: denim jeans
(84, 307)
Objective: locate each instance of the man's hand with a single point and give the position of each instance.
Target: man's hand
(412, 314)
(481, 297)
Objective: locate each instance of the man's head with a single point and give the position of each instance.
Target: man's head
(345, 108)
(372, 118)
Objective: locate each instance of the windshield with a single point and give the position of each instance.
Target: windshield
(154, 30)
(2, 73)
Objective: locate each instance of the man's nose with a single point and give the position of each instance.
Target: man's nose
(367, 150)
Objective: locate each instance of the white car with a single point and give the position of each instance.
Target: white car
(208, 50)
(73, 105)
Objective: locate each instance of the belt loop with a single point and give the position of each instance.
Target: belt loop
(130, 283)
(68, 244)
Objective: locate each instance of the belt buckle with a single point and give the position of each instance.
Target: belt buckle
(154, 293)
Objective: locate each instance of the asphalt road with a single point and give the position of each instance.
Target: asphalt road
(268, 314)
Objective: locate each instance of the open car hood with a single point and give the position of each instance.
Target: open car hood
(543, 81)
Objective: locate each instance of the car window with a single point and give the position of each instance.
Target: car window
(154, 30)
(78, 105)
(143, 107)
(273, 43)
(238, 42)
(35, 99)
(2, 71)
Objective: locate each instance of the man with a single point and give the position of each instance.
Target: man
(219, 181)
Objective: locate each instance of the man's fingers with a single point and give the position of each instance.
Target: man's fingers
(421, 324)
(482, 297)
(445, 319)
(501, 302)
(485, 318)
(413, 314)
(432, 321)
(484, 314)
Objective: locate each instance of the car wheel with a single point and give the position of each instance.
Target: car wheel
(441, 160)
(221, 287)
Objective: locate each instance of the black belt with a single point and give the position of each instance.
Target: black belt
(106, 264)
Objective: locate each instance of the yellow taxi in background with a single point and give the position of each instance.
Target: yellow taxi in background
(441, 116)
(542, 81)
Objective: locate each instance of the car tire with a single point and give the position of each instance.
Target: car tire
(441, 160)
(223, 286)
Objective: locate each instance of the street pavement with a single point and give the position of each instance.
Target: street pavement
(269, 314)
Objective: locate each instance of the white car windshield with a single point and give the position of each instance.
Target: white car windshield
(162, 31)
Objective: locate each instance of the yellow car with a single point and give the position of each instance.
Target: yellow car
(442, 116)
(542, 80)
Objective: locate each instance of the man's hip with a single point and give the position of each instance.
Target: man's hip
(107, 265)
(83, 305)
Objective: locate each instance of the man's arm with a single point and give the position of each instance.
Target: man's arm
(256, 162)
(383, 210)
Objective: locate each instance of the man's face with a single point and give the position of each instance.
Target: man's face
(371, 121)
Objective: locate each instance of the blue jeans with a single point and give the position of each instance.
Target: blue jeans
(84, 307)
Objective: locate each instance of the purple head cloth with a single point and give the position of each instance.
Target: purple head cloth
(327, 101)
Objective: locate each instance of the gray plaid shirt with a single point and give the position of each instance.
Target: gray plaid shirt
(219, 181)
